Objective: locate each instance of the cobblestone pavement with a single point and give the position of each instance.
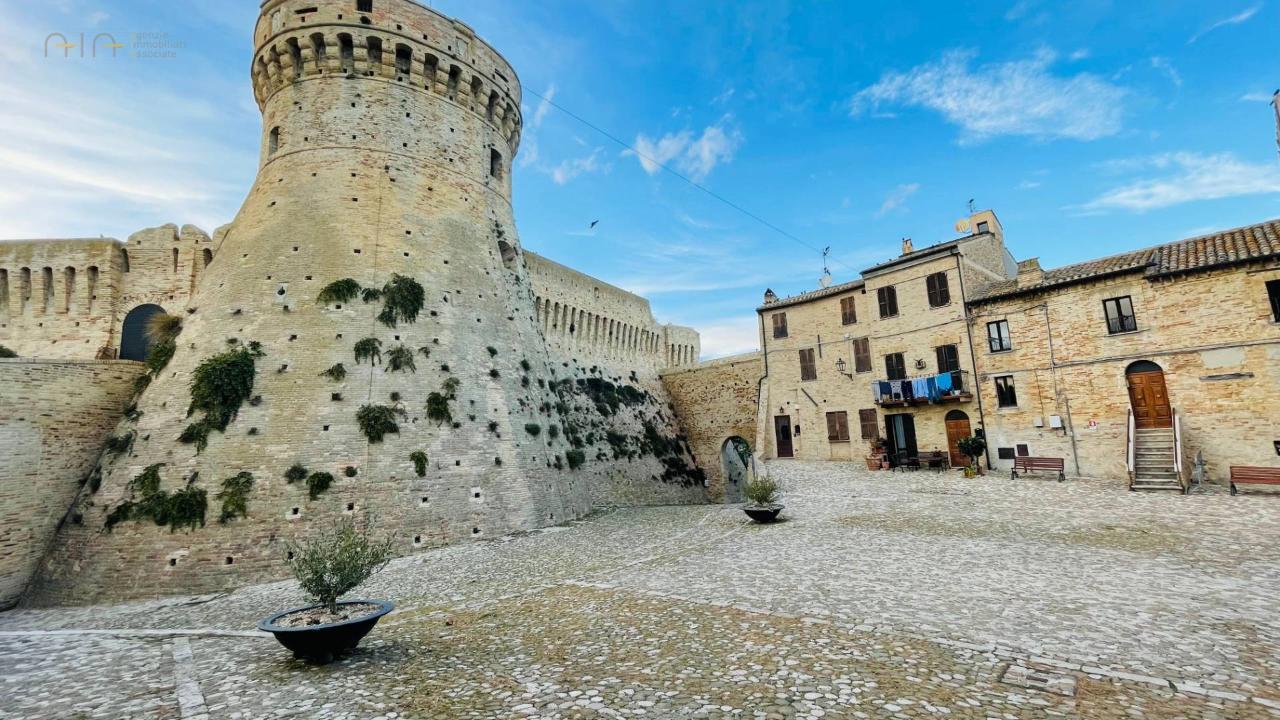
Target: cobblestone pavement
(882, 595)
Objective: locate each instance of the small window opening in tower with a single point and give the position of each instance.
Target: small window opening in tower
(273, 141)
(455, 74)
(493, 105)
(495, 164)
(317, 45)
(429, 66)
(404, 59)
(375, 52)
(124, 258)
(175, 259)
(46, 294)
(69, 287)
(364, 5)
(208, 256)
(508, 253)
(295, 52)
(346, 53)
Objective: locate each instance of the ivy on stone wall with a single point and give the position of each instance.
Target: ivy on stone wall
(419, 459)
(183, 508)
(219, 386)
(399, 359)
(403, 298)
(117, 444)
(317, 483)
(295, 473)
(376, 421)
(235, 497)
(6, 353)
(338, 291)
(368, 349)
(337, 373)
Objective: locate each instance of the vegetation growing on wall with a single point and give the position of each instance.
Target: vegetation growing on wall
(337, 373)
(438, 402)
(183, 508)
(6, 353)
(376, 421)
(235, 497)
(399, 359)
(338, 291)
(575, 458)
(317, 483)
(295, 473)
(419, 459)
(116, 444)
(368, 349)
(219, 386)
(402, 300)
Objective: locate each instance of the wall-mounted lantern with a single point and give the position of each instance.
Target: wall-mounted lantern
(840, 367)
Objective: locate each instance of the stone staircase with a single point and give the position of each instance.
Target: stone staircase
(1153, 451)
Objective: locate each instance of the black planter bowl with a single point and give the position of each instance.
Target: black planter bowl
(322, 643)
(762, 513)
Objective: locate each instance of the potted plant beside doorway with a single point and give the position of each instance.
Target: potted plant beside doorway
(972, 447)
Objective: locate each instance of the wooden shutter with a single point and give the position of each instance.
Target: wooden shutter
(939, 291)
(888, 298)
(948, 358)
(870, 426)
(861, 355)
(838, 426)
(779, 325)
(807, 369)
(848, 312)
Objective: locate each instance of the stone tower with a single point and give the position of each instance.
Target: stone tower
(387, 144)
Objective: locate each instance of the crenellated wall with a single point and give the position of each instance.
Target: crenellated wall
(592, 321)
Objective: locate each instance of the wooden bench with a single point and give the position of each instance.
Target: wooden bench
(1028, 464)
(1246, 475)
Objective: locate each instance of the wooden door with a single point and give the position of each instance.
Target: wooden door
(782, 433)
(957, 430)
(1150, 400)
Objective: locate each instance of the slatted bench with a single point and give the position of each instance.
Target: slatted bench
(1245, 475)
(1028, 464)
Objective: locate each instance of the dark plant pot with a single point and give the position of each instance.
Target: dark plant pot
(762, 514)
(322, 643)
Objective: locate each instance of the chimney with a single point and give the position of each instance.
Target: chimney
(1029, 273)
(907, 247)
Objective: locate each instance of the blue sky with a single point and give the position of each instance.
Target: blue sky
(1090, 127)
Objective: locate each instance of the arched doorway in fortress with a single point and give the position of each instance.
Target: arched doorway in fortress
(134, 344)
(735, 460)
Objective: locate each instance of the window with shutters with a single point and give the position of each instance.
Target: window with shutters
(838, 426)
(948, 358)
(779, 325)
(870, 426)
(895, 367)
(1273, 293)
(808, 371)
(848, 313)
(1006, 396)
(1120, 316)
(998, 336)
(939, 291)
(888, 298)
(861, 355)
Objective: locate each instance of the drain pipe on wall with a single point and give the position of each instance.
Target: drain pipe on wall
(973, 357)
(760, 415)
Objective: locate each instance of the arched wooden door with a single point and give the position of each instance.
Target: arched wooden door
(1148, 396)
(957, 429)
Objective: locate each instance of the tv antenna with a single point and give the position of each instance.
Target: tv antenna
(825, 280)
(970, 206)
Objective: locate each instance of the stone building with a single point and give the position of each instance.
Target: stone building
(1127, 367)
(380, 344)
(887, 356)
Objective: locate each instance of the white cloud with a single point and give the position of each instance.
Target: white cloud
(1257, 97)
(695, 157)
(1020, 97)
(738, 334)
(896, 198)
(572, 168)
(544, 106)
(1240, 17)
(1188, 177)
(1164, 65)
(1029, 184)
(1078, 55)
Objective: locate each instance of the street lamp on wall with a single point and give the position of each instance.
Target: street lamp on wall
(840, 367)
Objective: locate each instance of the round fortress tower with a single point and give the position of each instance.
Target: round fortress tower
(388, 136)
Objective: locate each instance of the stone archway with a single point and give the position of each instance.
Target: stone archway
(735, 463)
(134, 344)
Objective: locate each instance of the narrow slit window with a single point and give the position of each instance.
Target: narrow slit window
(374, 46)
(273, 141)
(495, 164)
(24, 288)
(4, 292)
(68, 288)
(295, 53)
(455, 76)
(175, 259)
(404, 59)
(46, 290)
(346, 53)
(1273, 294)
(91, 287)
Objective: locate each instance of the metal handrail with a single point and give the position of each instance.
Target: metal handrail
(1129, 442)
(1177, 449)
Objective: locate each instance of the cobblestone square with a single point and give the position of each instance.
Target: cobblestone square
(882, 595)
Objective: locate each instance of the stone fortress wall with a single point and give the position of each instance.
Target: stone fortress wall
(387, 144)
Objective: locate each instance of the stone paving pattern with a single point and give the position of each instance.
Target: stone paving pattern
(883, 595)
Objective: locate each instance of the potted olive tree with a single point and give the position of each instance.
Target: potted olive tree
(972, 447)
(763, 503)
(327, 567)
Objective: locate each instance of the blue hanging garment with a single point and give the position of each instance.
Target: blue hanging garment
(934, 394)
(944, 382)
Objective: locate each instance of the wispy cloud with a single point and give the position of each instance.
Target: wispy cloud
(573, 167)
(1240, 17)
(897, 198)
(1186, 177)
(1078, 55)
(1257, 97)
(690, 155)
(1020, 97)
(1029, 184)
(729, 336)
(1164, 65)
(544, 106)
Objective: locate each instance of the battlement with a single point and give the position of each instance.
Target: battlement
(392, 41)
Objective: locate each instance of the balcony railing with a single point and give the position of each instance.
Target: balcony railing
(951, 386)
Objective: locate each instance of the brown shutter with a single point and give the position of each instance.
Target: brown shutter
(833, 428)
(843, 418)
(848, 311)
(870, 426)
(807, 369)
(861, 355)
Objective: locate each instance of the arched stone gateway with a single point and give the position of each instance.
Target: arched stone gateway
(134, 344)
(735, 462)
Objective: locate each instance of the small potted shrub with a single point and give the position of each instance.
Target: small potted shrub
(328, 567)
(876, 459)
(972, 447)
(762, 500)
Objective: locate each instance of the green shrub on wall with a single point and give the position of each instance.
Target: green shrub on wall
(399, 359)
(183, 508)
(6, 353)
(235, 497)
(337, 373)
(419, 459)
(368, 349)
(295, 473)
(376, 421)
(402, 300)
(317, 483)
(219, 386)
(338, 291)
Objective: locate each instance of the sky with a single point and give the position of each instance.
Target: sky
(721, 146)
